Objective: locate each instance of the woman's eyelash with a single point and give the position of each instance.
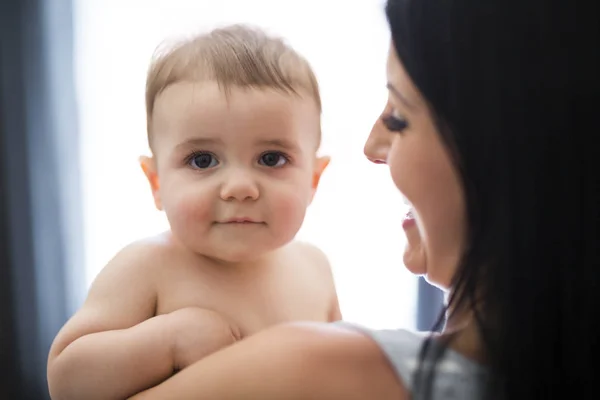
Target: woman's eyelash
(394, 124)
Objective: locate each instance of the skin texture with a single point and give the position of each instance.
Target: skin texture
(329, 362)
(232, 135)
(234, 176)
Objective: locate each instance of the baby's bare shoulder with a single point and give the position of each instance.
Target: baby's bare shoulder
(135, 265)
(140, 263)
(145, 255)
(122, 295)
(308, 251)
(310, 256)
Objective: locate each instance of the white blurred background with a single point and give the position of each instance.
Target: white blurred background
(356, 216)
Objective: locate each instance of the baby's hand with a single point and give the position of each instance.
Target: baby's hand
(196, 333)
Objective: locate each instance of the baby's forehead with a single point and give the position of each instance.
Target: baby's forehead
(204, 101)
(206, 109)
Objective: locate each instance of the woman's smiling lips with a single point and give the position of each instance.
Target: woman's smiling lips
(409, 220)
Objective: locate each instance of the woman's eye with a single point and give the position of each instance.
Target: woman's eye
(273, 159)
(203, 161)
(394, 124)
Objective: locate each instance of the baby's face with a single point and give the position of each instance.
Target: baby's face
(235, 173)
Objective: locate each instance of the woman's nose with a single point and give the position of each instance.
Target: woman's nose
(377, 144)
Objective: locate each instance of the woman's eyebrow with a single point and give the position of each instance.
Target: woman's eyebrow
(399, 96)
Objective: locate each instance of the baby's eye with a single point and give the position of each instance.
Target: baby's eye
(273, 159)
(203, 161)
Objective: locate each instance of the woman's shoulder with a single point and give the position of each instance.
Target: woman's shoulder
(456, 376)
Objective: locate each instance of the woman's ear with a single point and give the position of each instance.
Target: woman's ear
(148, 165)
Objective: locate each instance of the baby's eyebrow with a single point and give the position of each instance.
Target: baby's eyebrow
(281, 143)
(198, 142)
(203, 142)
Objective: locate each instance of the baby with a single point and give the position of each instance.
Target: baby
(234, 127)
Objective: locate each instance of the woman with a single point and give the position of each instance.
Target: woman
(484, 136)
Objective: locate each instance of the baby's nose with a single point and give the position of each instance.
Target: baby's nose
(239, 185)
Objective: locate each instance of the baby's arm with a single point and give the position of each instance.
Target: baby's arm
(114, 346)
(198, 332)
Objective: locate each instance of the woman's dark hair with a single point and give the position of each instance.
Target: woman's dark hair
(514, 86)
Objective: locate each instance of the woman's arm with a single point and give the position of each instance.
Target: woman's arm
(299, 361)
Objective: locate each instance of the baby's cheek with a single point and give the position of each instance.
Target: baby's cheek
(189, 210)
(288, 210)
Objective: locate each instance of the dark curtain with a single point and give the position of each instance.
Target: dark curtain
(41, 258)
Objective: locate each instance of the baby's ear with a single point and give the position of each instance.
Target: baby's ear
(148, 165)
(320, 164)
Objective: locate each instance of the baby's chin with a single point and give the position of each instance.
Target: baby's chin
(236, 254)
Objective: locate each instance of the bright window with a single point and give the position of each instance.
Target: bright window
(356, 216)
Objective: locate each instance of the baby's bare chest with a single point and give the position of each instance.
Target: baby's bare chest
(252, 302)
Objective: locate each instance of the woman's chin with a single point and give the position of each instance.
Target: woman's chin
(414, 261)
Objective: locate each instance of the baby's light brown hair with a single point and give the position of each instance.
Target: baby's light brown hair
(233, 56)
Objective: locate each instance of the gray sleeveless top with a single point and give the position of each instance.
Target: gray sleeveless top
(456, 376)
